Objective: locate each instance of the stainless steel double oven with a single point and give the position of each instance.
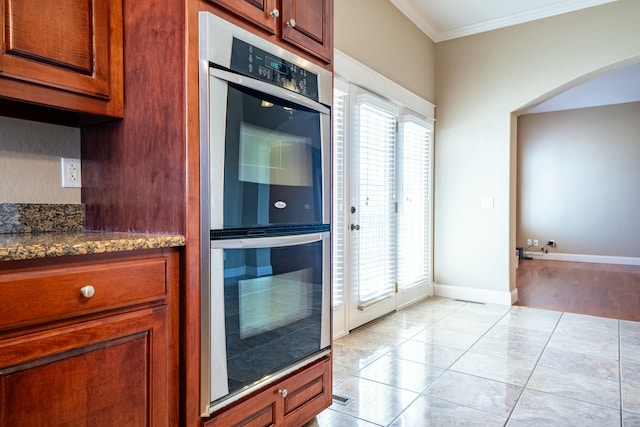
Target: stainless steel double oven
(265, 142)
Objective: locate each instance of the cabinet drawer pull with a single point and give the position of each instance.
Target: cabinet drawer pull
(292, 23)
(87, 291)
(274, 13)
(283, 392)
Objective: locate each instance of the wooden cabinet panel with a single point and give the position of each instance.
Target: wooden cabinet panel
(308, 24)
(290, 402)
(33, 48)
(115, 365)
(40, 295)
(92, 374)
(257, 11)
(68, 48)
(308, 393)
(305, 24)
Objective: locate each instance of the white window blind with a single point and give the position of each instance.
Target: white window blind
(339, 182)
(414, 207)
(374, 256)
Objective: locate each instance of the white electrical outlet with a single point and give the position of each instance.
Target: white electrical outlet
(535, 243)
(71, 173)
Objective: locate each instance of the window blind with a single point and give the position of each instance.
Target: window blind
(375, 249)
(414, 207)
(339, 189)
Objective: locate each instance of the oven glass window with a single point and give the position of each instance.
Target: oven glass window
(273, 309)
(272, 166)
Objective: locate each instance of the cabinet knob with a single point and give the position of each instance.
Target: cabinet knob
(274, 13)
(291, 22)
(283, 392)
(87, 291)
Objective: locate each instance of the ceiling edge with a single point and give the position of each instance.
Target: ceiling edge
(416, 17)
(410, 12)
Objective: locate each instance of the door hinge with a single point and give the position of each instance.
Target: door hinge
(396, 287)
(396, 207)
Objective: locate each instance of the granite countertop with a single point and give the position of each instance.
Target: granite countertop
(31, 231)
(21, 246)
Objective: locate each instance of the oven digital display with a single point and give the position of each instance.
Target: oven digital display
(255, 62)
(277, 65)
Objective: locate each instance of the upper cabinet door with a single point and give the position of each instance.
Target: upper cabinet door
(71, 46)
(308, 24)
(263, 13)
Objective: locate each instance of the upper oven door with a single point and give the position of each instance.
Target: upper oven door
(269, 155)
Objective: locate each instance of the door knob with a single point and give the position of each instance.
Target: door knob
(291, 22)
(274, 13)
(355, 227)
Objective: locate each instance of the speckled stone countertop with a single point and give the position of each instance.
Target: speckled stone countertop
(31, 231)
(22, 246)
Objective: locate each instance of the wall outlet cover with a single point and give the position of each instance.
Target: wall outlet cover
(71, 172)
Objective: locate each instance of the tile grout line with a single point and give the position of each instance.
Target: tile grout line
(620, 370)
(524, 387)
(448, 369)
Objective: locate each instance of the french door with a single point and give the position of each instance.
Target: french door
(372, 195)
(382, 206)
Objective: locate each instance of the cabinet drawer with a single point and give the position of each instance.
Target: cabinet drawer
(289, 403)
(41, 295)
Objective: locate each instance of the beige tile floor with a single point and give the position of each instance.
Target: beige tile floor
(444, 362)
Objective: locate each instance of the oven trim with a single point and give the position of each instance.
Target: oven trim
(216, 393)
(265, 382)
(269, 89)
(215, 42)
(215, 140)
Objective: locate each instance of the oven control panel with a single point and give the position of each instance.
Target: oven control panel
(254, 62)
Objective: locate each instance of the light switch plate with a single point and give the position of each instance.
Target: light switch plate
(487, 202)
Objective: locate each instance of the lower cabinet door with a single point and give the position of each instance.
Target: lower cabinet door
(290, 402)
(105, 372)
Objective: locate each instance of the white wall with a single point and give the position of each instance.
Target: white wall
(480, 81)
(30, 161)
(579, 180)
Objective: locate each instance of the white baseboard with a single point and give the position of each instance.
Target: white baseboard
(600, 259)
(477, 295)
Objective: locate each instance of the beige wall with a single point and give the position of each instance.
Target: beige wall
(481, 80)
(375, 33)
(30, 161)
(579, 180)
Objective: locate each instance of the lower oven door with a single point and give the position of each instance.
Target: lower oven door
(267, 312)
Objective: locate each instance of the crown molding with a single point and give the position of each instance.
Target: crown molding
(417, 16)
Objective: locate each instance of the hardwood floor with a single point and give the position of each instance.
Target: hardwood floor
(605, 290)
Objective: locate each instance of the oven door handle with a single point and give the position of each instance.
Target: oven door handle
(269, 242)
(269, 89)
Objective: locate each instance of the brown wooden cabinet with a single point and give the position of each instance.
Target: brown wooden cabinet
(106, 359)
(306, 24)
(64, 54)
(291, 402)
(262, 13)
(143, 173)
